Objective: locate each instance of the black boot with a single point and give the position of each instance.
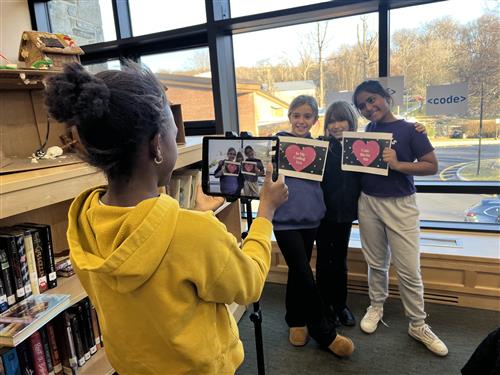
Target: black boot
(346, 317)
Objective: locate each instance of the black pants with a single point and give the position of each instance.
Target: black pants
(332, 242)
(304, 306)
(486, 358)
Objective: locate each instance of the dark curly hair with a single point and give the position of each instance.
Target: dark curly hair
(114, 112)
(373, 87)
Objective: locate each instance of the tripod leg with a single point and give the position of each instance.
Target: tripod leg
(256, 318)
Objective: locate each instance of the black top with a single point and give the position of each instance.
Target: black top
(341, 189)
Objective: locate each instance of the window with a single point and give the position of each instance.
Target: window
(244, 7)
(107, 65)
(151, 16)
(443, 43)
(87, 22)
(322, 59)
(187, 76)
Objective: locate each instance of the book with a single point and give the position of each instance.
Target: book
(10, 362)
(77, 339)
(6, 278)
(54, 351)
(184, 190)
(46, 351)
(25, 358)
(95, 326)
(48, 252)
(88, 325)
(41, 271)
(38, 354)
(195, 182)
(29, 315)
(77, 311)
(9, 243)
(30, 259)
(20, 236)
(174, 187)
(64, 339)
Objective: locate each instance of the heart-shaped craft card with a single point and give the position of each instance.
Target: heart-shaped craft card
(231, 168)
(300, 157)
(249, 167)
(367, 152)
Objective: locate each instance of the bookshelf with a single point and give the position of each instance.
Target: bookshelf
(43, 192)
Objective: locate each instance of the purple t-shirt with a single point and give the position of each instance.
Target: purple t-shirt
(409, 146)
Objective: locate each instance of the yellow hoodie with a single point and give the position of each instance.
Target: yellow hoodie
(160, 276)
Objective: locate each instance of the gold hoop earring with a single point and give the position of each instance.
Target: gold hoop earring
(158, 159)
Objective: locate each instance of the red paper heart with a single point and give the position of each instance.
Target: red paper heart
(231, 168)
(248, 167)
(367, 152)
(300, 157)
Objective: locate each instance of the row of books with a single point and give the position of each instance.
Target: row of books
(60, 347)
(183, 185)
(27, 264)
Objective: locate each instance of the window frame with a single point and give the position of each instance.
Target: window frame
(216, 34)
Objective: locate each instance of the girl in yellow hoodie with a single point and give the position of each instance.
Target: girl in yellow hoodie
(158, 275)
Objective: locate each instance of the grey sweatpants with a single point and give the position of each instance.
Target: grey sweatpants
(390, 226)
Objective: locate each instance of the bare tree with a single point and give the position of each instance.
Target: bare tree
(367, 45)
(321, 44)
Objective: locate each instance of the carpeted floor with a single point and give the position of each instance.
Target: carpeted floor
(387, 351)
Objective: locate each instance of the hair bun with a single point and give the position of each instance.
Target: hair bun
(76, 96)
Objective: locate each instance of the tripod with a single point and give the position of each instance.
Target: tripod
(256, 315)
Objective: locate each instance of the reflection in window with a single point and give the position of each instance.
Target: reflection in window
(152, 16)
(324, 59)
(107, 65)
(187, 76)
(452, 42)
(244, 7)
(87, 22)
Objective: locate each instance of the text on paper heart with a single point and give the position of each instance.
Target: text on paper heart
(231, 168)
(249, 167)
(300, 157)
(367, 152)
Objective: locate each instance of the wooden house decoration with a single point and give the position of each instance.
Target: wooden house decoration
(41, 50)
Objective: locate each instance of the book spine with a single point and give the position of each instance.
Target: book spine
(30, 259)
(25, 360)
(95, 327)
(64, 338)
(48, 254)
(54, 352)
(7, 276)
(77, 340)
(3, 297)
(11, 363)
(40, 265)
(80, 314)
(46, 350)
(23, 262)
(88, 326)
(15, 264)
(38, 354)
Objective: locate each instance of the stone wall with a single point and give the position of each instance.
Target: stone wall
(80, 19)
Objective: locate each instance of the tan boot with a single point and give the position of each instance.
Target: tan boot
(342, 346)
(298, 336)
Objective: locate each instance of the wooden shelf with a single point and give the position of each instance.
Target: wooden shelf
(98, 364)
(25, 191)
(23, 79)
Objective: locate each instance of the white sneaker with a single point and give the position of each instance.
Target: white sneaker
(370, 321)
(424, 334)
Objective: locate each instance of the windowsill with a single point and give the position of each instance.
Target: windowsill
(447, 242)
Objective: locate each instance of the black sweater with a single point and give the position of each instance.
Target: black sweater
(341, 189)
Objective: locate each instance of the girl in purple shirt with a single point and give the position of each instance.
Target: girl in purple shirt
(389, 218)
